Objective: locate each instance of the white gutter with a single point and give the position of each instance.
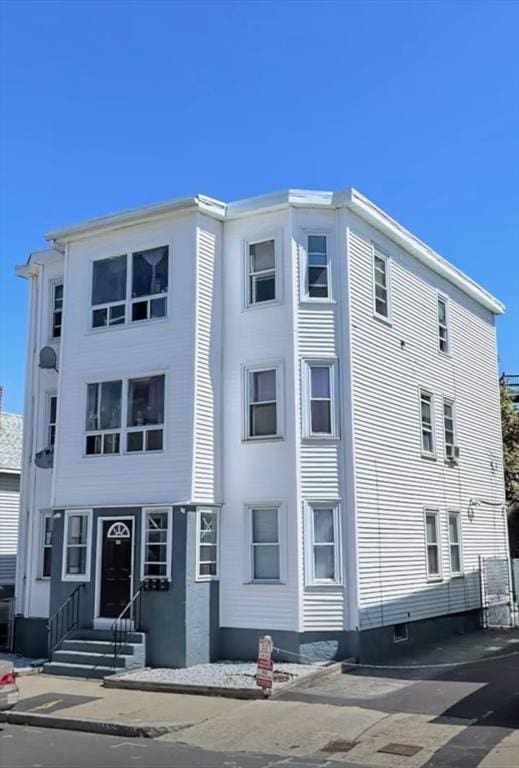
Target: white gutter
(401, 236)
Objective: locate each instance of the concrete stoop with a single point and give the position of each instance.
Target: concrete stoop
(89, 653)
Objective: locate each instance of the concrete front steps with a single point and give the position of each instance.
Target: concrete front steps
(89, 653)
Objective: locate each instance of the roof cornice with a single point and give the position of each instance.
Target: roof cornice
(135, 216)
(412, 244)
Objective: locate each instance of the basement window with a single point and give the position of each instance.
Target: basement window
(400, 633)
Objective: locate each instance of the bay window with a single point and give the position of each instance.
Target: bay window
(47, 524)
(262, 272)
(262, 388)
(265, 554)
(320, 417)
(130, 288)
(207, 544)
(318, 268)
(57, 310)
(323, 561)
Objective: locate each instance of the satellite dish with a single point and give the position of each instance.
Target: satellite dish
(44, 459)
(48, 358)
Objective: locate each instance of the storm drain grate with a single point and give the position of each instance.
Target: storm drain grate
(405, 750)
(339, 746)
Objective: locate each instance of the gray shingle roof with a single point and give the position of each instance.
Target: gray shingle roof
(11, 429)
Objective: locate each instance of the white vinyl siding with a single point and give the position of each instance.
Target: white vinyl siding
(262, 272)
(9, 520)
(432, 542)
(77, 544)
(156, 543)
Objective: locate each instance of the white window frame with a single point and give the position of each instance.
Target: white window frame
(436, 513)
(45, 515)
(53, 285)
(452, 403)
(377, 252)
(278, 270)
(79, 578)
(48, 423)
(306, 378)
(310, 544)
(442, 298)
(247, 370)
(282, 543)
(427, 393)
(128, 299)
(124, 429)
(202, 576)
(455, 513)
(146, 511)
(304, 264)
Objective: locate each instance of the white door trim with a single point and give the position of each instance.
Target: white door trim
(102, 622)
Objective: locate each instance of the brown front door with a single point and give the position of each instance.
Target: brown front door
(116, 567)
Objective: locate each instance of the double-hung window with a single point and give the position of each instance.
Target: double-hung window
(455, 544)
(149, 283)
(103, 417)
(52, 407)
(318, 268)
(76, 538)
(262, 272)
(265, 541)
(443, 328)
(381, 290)
(144, 398)
(262, 389)
(109, 291)
(145, 414)
(432, 543)
(156, 542)
(323, 558)
(319, 383)
(207, 544)
(449, 429)
(47, 524)
(427, 423)
(139, 280)
(57, 310)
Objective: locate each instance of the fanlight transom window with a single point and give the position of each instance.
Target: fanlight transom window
(118, 531)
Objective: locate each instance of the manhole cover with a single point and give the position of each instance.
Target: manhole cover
(405, 750)
(339, 746)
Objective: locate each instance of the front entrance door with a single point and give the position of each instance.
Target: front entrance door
(116, 567)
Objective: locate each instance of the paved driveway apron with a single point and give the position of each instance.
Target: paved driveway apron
(481, 694)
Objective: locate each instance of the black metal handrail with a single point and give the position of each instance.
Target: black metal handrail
(128, 621)
(64, 620)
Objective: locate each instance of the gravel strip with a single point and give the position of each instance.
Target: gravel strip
(223, 674)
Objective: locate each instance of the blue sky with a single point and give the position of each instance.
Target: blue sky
(108, 105)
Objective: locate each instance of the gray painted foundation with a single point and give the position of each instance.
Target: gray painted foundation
(30, 637)
(181, 623)
(368, 646)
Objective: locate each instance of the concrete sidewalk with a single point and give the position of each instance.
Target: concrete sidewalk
(61, 702)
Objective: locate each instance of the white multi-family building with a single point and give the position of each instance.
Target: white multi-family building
(278, 415)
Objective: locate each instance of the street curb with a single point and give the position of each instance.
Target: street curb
(124, 730)
(118, 681)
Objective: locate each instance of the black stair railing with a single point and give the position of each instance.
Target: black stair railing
(128, 621)
(64, 621)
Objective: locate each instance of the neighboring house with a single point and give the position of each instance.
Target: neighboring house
(280, 415)
(511, 380)
(11, 428)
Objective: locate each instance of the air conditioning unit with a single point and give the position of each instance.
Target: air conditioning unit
(44, 459)
(452, 452)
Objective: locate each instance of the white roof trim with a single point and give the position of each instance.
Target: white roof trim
(349, 198)
(134, 216)
(410, 243)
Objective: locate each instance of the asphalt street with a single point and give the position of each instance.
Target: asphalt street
(25, 747)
